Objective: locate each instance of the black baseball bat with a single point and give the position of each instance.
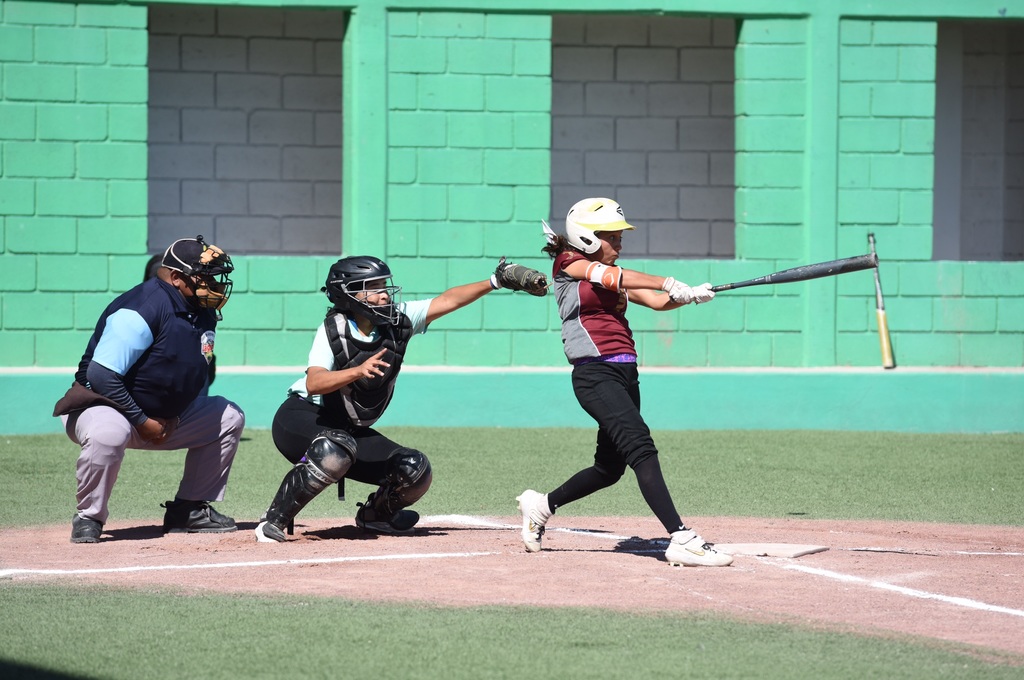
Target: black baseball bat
(808, 272)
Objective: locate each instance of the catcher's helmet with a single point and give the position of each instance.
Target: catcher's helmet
(590, 216)
(194, 257)
(348, 277)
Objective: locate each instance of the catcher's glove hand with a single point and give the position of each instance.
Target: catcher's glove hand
(518, 277)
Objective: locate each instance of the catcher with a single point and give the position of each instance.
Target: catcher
(324, 427)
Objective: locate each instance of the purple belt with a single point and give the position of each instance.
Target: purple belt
(611, 358)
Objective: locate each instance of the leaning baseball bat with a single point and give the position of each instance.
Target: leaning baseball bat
(888, 360)
(807, 272)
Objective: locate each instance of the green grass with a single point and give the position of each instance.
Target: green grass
(119, 634)
(101, 632)
(973, 479)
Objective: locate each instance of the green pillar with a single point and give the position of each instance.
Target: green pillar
(821, 183)
(364, 174)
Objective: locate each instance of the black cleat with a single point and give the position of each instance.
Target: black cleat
(372, 519)
(195, 517)
(85, 530)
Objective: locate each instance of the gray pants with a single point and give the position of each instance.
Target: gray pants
(210, 429)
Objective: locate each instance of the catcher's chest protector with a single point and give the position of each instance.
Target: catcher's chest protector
(365, 400)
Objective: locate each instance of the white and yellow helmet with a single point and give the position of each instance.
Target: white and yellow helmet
(590, 216)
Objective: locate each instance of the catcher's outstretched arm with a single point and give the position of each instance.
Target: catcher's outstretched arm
(457, 298)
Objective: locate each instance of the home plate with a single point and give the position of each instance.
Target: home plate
(770, 549)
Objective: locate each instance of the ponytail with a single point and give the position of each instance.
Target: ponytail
(557, 245)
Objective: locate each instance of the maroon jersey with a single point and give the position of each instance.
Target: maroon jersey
(593, 318)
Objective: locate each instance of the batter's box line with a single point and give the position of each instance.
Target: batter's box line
(484, 523)
(934, 553)
(902, 590)
(10, 573)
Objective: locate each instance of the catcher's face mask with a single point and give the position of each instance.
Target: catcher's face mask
(204, 268)
(377, 297)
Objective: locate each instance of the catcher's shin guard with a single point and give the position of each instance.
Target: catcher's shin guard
(328, 459)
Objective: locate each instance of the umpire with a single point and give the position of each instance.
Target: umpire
(138, 386)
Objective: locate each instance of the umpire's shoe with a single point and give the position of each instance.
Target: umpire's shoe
(195, 517)
(85, 530)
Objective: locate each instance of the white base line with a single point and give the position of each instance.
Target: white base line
(467, 520)
(958, 601)
(911, 592)
(229, 565)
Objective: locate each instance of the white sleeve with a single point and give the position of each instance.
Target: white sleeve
(417, 310)
(320, 353)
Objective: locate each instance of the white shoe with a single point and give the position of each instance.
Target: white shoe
(269, 533)
(536, 513)
(688, 549)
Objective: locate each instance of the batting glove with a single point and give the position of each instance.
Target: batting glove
(677, 291)
(703, 293)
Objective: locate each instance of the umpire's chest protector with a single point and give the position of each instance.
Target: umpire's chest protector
(365, 400)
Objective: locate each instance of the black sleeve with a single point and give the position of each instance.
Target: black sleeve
(111, 385)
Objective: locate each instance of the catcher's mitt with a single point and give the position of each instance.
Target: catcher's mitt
(518, 277)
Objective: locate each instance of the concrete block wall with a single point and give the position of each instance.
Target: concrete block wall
(939, 312)
(468, 174)
(886, 157)
(642, 112)
(992, 208)
(245, 130)
(771, 134)
(460, 173)
(72, 172)
(469, 133)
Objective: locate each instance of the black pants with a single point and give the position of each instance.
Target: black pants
(610, 393)
(297, 422)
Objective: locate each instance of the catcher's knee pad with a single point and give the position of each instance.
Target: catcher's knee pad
(408, 476)
(331, 453)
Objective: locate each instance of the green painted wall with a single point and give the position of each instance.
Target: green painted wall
(72, 172)
(447, 167)
(674, 399)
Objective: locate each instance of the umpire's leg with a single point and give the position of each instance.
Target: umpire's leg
(210, 428)
(103, 433)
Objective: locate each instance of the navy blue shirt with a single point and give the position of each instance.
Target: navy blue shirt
(157, 343)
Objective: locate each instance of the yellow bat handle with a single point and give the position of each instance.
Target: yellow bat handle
(883, 336)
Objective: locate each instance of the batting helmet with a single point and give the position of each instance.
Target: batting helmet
(590, 216)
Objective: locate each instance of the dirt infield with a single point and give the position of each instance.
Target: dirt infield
(953, 583)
